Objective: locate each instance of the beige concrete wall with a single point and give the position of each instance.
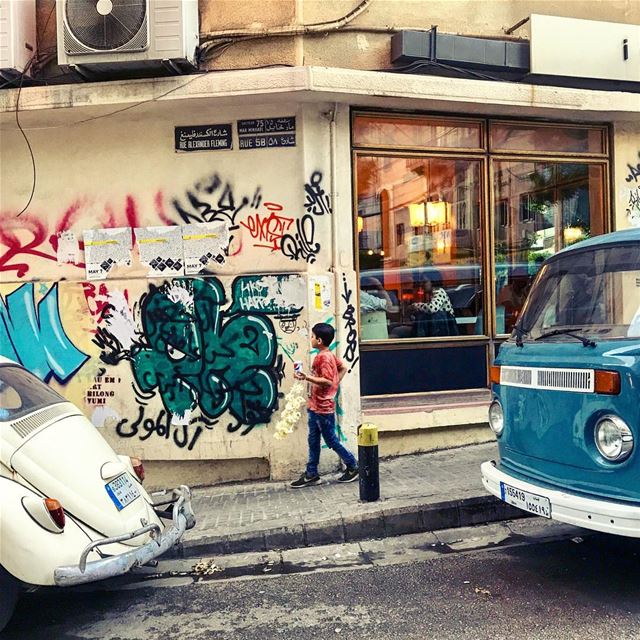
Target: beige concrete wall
(360, 49)
(109, 345)
(626, 175)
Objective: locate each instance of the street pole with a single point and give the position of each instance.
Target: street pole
(368, 463)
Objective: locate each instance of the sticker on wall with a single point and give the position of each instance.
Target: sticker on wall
(320, 289)
(68, 248)
(281, 294)
(208, 137)
(161, 249)
(265, 133)
(105, 249)
(204, 244)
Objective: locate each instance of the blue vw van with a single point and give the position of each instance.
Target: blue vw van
(566, 391)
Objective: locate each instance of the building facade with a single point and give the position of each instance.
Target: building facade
(171, 229)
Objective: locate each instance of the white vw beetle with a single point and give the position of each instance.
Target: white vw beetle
(71, 510)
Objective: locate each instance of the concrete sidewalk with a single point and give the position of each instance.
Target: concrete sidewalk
(421, 492)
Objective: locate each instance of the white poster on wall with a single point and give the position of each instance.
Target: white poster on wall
(204, 245)
(105, 249)
(161, 249)
(68, 251)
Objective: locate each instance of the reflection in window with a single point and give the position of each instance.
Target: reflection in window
(593, 292)
(415, 131)
(420, 247)
(541, 138)
(541, 207)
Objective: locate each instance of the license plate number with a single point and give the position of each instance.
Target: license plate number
(525, 500)
(122, 491)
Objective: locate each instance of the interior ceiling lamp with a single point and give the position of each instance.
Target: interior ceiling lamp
(438, 212)
(572, 234)
(417, 216)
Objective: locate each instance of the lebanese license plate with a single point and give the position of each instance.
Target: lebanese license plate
(122, 491)
(525, 500)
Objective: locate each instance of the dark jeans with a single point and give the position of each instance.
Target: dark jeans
(325, 424)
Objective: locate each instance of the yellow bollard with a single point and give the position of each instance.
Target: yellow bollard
(368, 462)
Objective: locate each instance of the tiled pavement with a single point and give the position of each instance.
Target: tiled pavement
(421, 492)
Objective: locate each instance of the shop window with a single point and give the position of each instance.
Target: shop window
(423, 213)
(541, 207)
(416, 132)
(546, 138)
(420, 248)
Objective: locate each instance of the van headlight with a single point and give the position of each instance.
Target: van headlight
(613, 438)
(496, 417)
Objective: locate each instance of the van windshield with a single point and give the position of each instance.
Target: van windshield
(21, 393)
(593, 292)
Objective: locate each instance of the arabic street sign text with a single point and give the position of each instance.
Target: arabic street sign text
(267, 132)
(208, 137)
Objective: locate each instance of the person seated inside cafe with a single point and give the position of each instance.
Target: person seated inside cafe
(375, 303)
(433, 316)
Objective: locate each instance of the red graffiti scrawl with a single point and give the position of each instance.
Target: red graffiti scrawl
(268, 229)
(12, 246)
(28, 237)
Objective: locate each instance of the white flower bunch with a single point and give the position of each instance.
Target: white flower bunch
(290, 415)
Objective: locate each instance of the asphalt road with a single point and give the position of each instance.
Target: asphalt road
(515, 587)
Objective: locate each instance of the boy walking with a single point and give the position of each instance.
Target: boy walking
(326, 373)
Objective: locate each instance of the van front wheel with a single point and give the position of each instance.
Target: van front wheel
(9, 593)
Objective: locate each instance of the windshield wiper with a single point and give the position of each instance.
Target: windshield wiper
(520, 333)
(569, 331)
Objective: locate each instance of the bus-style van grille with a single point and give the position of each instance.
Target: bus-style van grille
(516, 376)
(578, 380)
(25, 426)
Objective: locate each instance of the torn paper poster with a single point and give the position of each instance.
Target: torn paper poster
(161, 249)
(105, 249)
(320, 290)
(68, 248)
(204, 245)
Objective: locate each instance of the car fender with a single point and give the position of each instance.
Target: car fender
(28, 551)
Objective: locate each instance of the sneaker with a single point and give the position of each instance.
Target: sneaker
(304, 481)
(349, 475)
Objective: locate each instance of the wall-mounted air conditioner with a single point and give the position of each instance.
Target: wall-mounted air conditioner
(17, 35)
(107, 35)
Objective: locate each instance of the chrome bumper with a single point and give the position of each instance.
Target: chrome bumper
(83, 572)
(589, 513)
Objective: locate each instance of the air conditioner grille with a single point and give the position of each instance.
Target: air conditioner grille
(105, 25)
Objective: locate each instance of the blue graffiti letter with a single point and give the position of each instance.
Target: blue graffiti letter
(35, 338)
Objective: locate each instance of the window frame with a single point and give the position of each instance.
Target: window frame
(488, 211)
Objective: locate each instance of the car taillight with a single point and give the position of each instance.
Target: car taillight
(138, 467)
(55, 511)
(494, 374)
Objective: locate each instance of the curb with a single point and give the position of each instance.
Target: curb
(384, 523)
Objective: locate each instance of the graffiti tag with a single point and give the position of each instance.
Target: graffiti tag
(301, 245)
(317, 201)
(350, 325)
(268, 230)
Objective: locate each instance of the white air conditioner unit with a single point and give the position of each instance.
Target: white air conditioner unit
(109, 34)
(17, 34)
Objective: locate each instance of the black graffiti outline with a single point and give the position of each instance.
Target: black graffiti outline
(301, 244)
(317, 201)
(634, 171)
(349, 316)
(225, 210)
(161, 425)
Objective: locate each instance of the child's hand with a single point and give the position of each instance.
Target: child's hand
(300, 375)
